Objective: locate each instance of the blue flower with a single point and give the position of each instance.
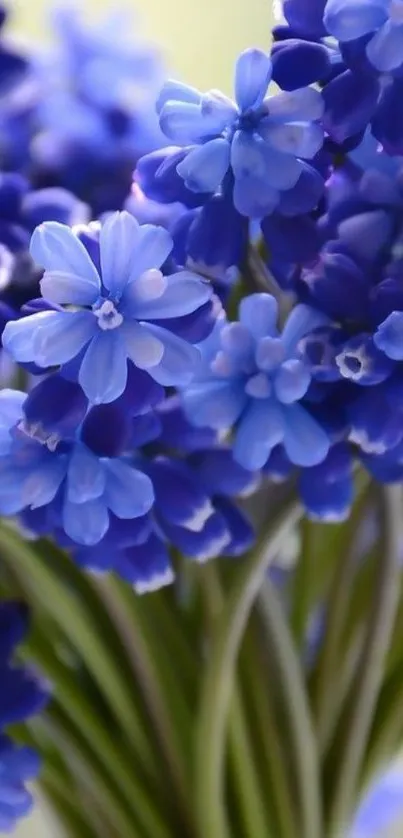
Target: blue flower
(22, 695)
(259, 140)
(253, 379)
(348, 21)
(110, 312)
(79, 489)
(196, 482)
(96, 114)
(382, 807)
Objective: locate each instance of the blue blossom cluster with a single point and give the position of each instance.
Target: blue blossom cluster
(198, 293)
(22, 695)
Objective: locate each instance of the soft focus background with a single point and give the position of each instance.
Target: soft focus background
(201, 39)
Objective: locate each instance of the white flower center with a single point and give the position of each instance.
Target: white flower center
(108, 316)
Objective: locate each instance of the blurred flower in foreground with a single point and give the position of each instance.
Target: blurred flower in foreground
(22, 695)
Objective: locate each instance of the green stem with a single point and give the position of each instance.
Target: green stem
(121, 604)
(303, 749)
(72, 616)
(301, 600)
(327, 680)
(270, 745)
(114, 756)
(368, 678)
(249, 795)
(218, 679)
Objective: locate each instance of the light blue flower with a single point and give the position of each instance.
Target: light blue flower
(108, 314)
(260, 139)
(78, 488)
(253, 378)
(349, 20)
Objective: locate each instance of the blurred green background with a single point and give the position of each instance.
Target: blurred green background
(200, 38)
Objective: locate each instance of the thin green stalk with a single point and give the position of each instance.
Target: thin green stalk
(303, 746)
(367, 683)
(327, 683)
(249, 794)
(301, 600)
(118, 762)
(218, 678)
(121, 604)
(68, 613)
(270, 745)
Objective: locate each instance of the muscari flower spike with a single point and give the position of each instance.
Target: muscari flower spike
(110, 311)
(253, 379)
(259, 141)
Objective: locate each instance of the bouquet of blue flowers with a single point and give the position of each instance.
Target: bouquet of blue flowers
(201, 319)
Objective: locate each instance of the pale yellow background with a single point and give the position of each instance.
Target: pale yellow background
(201, 37)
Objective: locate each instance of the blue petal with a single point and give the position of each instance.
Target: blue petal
(302, 105)
(259, 312)
(179, 361)
(302, 139)
(42, 483)
(252, 78)
(239, 527)
(220, 474)
(179, 497)
(145, 349)
(118, 239)
(129, 492)
(55, 248)
(253, 198)
(348, 20)
(184, 293)
(350, 103)
(11, 402)
(151, 250)
(305, 441)
(209, 543)
(292, 381)
(176, 91)
(147, 567)
(303, 319)
(385, 49)
(204, 167)
(366, 233)
(389, 336)
(18, 335)
(260, 429)
(86, 523)
(252, 158)
(61, 287)
(103, 372)
(61, 336)
(85, 476)
(297, 63)
(183, 122)
(215, 404)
